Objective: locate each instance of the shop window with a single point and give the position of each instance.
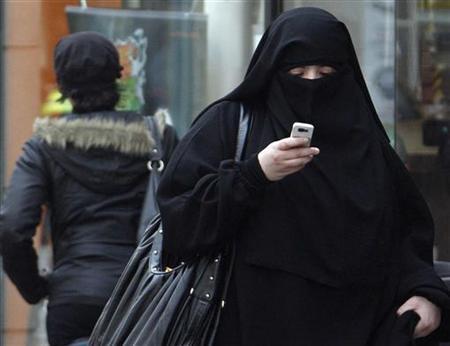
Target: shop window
(422, 107)
(176, 54)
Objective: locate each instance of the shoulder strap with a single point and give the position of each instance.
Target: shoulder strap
(226, 262)
(157, 152)
(155, 164)
(244, 121)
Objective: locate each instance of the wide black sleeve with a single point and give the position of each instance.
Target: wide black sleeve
(204, 193)
(20, 214)
(418, 276)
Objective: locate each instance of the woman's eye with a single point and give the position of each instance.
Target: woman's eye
(327, 71)
(297, 72)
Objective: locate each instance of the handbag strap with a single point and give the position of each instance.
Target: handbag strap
(208, 283)
(204, 288)
(155, 165)
(157, 152)
(244, 119)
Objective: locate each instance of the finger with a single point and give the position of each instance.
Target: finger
(410, 304)
(292, 170)
(405, 307)
(296, 164)
(297, 153)
(289, 143)
(430, 316)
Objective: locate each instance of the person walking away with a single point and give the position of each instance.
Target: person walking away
(90, 169)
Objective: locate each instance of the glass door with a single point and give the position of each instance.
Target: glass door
(423, 115)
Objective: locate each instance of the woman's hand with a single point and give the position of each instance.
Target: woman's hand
(286, 156)
(430, 315)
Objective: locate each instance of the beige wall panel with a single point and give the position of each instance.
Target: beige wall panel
(22, 78)
(22, 73)
(23, 99)
(23, 22)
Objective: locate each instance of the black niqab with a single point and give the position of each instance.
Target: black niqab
(337, 223)
(301, 27)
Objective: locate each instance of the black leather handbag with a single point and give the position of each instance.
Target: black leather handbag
(154, 305)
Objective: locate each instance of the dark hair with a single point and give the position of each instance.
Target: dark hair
(92, 98)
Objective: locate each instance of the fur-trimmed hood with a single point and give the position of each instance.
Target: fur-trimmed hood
(123, 132)
(104, 151)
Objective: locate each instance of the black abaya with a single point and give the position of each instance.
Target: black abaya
(207, 199)
(326, 255)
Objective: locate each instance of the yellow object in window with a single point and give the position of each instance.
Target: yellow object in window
(54, 107)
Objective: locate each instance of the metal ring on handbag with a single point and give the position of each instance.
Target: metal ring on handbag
(159, 165)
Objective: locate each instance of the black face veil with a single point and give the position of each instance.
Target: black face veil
(341, 205)
(306, 27)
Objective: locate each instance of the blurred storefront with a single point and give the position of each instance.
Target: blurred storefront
(182, 54)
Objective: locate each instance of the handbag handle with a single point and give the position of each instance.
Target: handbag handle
(155, 162)
(155, 165)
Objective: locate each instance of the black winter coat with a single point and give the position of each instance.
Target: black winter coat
(91, 171)
(208, 199)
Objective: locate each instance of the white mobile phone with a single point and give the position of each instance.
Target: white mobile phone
(302, 130)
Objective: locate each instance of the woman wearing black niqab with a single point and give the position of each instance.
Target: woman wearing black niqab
(333, 246)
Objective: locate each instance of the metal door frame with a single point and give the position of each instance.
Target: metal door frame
(272, 9)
